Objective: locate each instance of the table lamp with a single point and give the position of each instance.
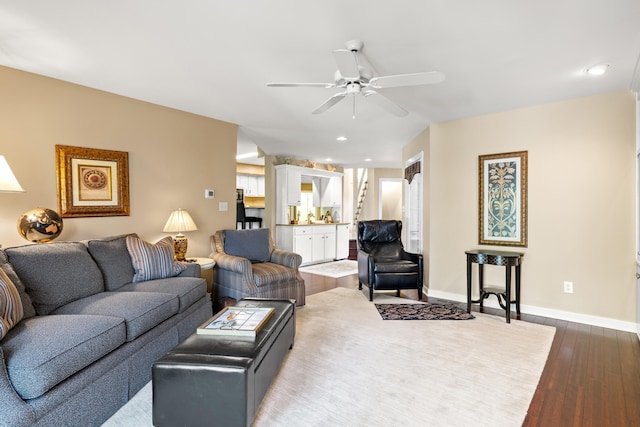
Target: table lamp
(179, 221)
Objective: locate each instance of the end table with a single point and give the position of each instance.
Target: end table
(506, 259)
(206, 270)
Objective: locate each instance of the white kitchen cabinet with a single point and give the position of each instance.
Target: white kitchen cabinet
(315, 243)
(288, 185)
(303, 243)
(332, 195)
(324, 243)
(342, 241)
(294, 188)
(253, 185)
(260, 183)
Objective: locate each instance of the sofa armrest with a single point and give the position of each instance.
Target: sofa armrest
(193, 270)
(14, 410)
(286, 258)
(233, 263)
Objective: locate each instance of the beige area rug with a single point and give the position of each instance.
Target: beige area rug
(349, 367)
(333, 269)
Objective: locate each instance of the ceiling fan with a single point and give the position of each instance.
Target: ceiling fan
(354, 78)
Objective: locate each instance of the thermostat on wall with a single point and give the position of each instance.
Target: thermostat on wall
(208, 194)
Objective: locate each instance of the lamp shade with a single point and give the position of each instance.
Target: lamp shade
(8, 181)
(179, 221)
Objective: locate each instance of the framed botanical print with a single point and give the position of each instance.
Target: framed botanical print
(92, 182)
(503, 199)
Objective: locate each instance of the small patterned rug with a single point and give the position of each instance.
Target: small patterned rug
(333, 269)
(427, 311)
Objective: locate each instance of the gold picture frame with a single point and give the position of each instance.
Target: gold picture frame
(503, 199)
(92, 182)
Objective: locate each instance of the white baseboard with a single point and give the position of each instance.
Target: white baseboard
(604, 322)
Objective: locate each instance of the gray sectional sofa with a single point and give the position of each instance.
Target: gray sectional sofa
(89, 336)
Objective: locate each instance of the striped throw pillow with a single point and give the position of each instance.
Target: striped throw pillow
(153, 261)
(11, 311)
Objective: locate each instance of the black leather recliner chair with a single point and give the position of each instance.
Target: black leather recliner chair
(383, 264)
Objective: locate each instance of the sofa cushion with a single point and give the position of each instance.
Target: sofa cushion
(268, 273)
(27, 305)
(141, 311)
(10, 304)
(55, 274)
(113, 259)
(41, 352)
(187, 289)
(250, 244)
(153, 261)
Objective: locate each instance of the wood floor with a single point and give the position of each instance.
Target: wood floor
(591, 378)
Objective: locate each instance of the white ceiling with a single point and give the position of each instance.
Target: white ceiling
(214, 58)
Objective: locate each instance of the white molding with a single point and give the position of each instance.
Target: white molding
(604, 322)
(635, 78)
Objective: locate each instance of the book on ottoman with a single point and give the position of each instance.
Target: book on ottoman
(243, 321)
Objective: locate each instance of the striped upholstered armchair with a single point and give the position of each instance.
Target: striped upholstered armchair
(249, 265)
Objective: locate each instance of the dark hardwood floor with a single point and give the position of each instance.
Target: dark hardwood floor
(592, 374)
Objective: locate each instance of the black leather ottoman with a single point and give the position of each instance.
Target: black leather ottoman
(211, 380)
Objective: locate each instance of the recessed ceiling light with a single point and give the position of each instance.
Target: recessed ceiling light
(328, 159)
(341, 138)
(367, 160)
(598, 70)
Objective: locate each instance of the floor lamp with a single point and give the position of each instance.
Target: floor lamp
(8, 181)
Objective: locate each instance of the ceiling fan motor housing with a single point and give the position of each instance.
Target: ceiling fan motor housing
(365, 76)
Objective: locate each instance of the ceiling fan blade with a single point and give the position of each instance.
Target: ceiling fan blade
(386, 103)
(324, 85)
(400, 80)
(347, 64)
(330, 103)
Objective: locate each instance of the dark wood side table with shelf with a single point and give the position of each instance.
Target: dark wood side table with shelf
(499, 258)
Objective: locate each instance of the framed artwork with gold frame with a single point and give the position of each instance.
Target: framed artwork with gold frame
(92, 182)
(503, 199)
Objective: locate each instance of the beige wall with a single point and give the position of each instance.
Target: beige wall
(581, 201)
(173, 157)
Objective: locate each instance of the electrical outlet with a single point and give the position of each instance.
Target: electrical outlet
(568, 287)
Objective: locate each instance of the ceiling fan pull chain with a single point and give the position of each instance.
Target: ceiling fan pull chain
(354, 106)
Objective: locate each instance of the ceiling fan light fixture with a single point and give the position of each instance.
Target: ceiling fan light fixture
(598, 70)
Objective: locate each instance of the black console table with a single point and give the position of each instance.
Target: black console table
(500, 258)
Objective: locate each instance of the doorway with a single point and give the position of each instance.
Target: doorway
(413, 203)
(390, 198)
